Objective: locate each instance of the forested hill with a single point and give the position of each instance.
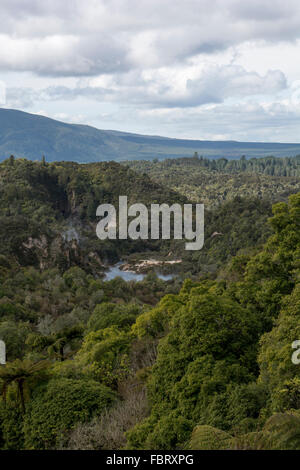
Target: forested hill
(216, 181)
(48, 218)
(48, 211)
(271, 166)
(31, 136)
(92, 365)
(200, 361)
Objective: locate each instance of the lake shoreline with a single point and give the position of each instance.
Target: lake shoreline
(126, 272)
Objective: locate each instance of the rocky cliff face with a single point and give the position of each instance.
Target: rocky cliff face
(63, 250)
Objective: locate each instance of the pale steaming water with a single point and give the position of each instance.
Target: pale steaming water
(115, 271)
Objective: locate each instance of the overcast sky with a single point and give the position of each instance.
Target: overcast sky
(201, 69)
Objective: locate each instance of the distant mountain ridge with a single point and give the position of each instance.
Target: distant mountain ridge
(31, 136)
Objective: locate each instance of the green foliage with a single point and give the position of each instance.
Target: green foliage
(171, 432)
(209, 438)
(206, 368)
(276, 367)
(11, 427)
(154, 322)
(109, 314)
(209, 347)
(215, 356)
(281, 432)
(56, 343)
(104, 355)
(216, 181)
(45, 209)
(21, 373)
(58, 406)
(14, 335)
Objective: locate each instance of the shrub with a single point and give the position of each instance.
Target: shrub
(59, 406)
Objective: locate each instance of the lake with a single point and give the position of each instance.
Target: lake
(115, 271)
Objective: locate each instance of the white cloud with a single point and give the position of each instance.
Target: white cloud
(241, 121)
(159, 66)
(77, 38)
(61, 55)
(2, 93)
(213, 84)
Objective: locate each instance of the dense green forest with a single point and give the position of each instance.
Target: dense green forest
(202, 361)
(48, 218)
(216, 181)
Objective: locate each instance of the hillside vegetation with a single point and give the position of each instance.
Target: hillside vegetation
(216, 181)
(48, 218)
(202, 361)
